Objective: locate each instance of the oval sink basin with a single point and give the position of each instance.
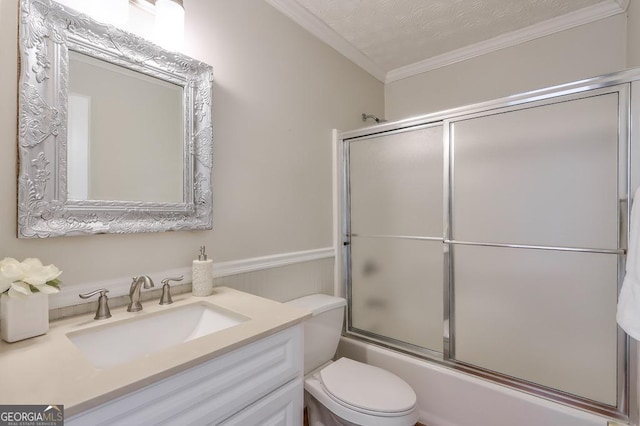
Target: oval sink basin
(112, 344)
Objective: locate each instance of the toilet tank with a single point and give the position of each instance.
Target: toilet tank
(322, 331)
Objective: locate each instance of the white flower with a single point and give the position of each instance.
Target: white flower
(17, 278)
(36, 274)
(19, 289)
(10, 271)
(5, 284)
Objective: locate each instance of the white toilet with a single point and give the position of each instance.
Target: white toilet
(347, 392)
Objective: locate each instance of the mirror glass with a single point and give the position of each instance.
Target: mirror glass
(115, 133)
(125, 134)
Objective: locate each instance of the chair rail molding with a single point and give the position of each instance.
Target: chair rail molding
(119, 286)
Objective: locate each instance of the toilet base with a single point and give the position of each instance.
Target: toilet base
(319, 415)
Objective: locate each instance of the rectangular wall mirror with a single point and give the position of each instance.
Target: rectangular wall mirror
(148, 113)
(115, 133)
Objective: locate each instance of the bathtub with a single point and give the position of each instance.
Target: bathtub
(450, 398)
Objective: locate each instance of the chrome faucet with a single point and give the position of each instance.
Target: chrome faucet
(134, 292)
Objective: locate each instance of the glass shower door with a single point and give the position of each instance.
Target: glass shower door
(535, 242)
(493, 241)
(395, 183)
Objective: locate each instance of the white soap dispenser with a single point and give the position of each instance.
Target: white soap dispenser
(202, 275)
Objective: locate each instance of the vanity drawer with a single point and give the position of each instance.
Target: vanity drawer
(282, 407)
(210, 392)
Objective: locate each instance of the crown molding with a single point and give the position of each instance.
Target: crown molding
(315, 26)
(570, 20)
(318, 28)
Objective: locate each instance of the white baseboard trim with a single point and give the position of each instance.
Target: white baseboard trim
(68, 296)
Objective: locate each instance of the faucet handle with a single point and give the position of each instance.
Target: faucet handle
(166, 290)
(103, 311)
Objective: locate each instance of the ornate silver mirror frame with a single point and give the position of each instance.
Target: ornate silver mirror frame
(48, 31)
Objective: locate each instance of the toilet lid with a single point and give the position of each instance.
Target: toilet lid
(367, 387)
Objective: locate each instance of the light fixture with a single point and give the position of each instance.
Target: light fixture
(169, 24)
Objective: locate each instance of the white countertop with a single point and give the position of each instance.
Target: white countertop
(49, 369)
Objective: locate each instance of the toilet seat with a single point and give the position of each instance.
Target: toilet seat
(356, 392)
(366, 388)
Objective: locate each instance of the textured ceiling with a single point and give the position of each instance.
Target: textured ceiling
(397, 33)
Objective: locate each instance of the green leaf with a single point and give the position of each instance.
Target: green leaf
(55, 283)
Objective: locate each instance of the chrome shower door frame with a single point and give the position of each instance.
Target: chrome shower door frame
(628, 110)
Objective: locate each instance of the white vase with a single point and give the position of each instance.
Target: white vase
(23, 317)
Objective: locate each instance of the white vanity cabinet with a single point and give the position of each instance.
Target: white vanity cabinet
(260, 383)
